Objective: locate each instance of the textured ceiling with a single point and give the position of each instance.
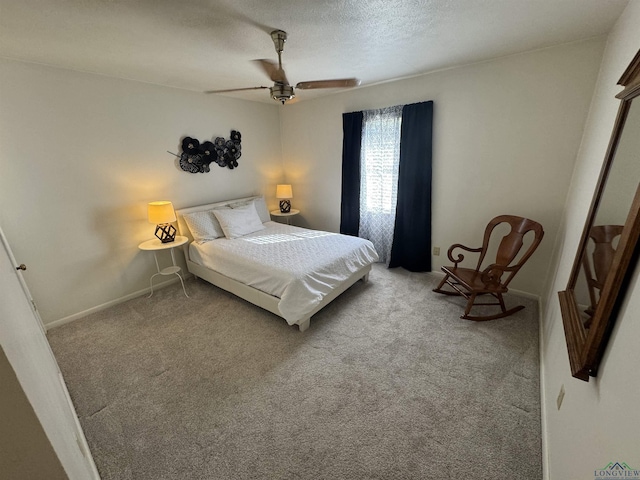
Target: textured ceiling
(209, 44)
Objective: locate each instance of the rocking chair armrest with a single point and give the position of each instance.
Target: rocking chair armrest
(489, 275)
(460, 256)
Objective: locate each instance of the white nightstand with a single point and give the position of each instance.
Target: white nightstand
(278, 213)
(155, 246)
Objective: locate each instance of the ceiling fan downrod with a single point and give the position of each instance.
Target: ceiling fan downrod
(279, 38)
(280, 92)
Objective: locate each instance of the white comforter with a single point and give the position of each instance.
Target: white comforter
(297, 265)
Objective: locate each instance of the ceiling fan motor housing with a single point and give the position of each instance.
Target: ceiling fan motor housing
(282, 93)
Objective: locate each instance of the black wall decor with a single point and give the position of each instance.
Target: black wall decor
(196, 157)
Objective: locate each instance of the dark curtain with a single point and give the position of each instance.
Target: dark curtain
(412, 235)
(351, 147)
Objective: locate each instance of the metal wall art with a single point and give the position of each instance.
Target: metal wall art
(196, 157)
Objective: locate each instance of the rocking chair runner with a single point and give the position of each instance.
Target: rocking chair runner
(470, 283)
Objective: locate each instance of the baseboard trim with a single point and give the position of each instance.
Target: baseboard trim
(543, 396)
(522, 293)
(111, 303)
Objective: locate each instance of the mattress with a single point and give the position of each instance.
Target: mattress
(296, 265)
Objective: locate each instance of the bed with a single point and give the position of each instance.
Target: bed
(290, 271)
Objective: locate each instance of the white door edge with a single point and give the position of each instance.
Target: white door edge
(26, 346)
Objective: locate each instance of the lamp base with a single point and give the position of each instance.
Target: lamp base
(166, 232)
(285, 206)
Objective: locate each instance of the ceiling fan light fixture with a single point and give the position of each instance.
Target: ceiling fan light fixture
(282, 93)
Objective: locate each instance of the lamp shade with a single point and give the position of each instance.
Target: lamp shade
(161, 212)
(284, 191)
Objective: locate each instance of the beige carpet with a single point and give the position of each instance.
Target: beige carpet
(388, 383)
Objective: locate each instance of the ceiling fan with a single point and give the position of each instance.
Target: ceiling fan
(282, 90)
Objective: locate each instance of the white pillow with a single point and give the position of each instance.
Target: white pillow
(204, 225)
(239, 221)
(261, 208)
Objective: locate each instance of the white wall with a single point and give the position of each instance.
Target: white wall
(599, 421)
(506, 135)
(81, 155)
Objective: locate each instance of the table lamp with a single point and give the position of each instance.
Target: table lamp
(162, 214)
(284, 193)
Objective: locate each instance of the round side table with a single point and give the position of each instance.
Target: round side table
(155, 246)
(278, 213)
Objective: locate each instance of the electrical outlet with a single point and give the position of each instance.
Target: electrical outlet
(560, 397)
(436, 250)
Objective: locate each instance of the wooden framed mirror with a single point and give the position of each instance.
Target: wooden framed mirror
(609, 248)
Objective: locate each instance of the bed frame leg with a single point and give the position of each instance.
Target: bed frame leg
(365, 279)
(304, 324)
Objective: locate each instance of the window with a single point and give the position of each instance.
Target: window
(379, 162)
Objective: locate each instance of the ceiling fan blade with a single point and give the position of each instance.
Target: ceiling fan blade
(273, 71)
(338, 83)
(235, 90)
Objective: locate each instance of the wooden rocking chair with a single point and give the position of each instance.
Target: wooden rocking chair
(603, 237)
(470, 283)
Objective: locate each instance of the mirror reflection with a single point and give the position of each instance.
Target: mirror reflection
(610, 218)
